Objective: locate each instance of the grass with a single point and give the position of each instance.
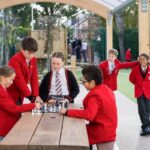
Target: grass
(124, 85)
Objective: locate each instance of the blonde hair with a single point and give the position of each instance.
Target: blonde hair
(113, 51)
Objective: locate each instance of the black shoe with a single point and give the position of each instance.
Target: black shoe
(145, 131)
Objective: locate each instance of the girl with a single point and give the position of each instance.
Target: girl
(140, 77)
(59, 81)
(111, 67)
(99, 109)
(9, 111)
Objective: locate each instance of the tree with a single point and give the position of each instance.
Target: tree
(55, 10)
(127, 18)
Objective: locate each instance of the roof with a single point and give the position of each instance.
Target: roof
(114, 5)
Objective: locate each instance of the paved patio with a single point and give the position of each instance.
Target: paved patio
(128, 137)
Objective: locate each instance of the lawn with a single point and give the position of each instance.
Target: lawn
(124, 85)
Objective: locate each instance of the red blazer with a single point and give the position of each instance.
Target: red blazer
(10, 112)
(128, 55)
(100, 109)
(24, 75)
(111, 79)
(141, 86)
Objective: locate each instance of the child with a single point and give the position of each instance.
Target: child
(140, 77)
(68, 86)
(100, 110)
(26, 80)
(128, 55)
(9, 111)
(110, 68)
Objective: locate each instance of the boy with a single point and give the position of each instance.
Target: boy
(26, 81)
(111, 67)
(100, 110)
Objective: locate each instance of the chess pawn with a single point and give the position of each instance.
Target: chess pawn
(32, 112)
(45, 107)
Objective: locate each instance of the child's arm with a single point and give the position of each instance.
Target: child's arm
(44, 87)
(19, 80)
(88, 113)
(128, 65)
(74, 84)
(34, 79)
(8, 105)
(132, 77)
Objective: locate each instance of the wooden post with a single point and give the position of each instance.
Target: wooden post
(73, 63)
(144, 22)
(109, 30)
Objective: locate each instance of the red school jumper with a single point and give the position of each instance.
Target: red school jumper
(111, 79)
(141, 86)
(24, 75)
(10, 112)
(100, 109)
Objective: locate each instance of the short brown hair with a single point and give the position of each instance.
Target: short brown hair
(59, 55)
(113, 51)
(29, 44)
(6, 71)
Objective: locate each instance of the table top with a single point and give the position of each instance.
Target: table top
(47, 131)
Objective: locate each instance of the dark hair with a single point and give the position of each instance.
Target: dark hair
(93, 73)
(6, 71)
(145, 56)
(29, 44)
(59, 55)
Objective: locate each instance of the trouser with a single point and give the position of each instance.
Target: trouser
(144, 110)
(84, 55)
(105, 146)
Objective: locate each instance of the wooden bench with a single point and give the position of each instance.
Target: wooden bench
(48, 131)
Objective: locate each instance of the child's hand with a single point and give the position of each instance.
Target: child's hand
(38, 105)
(38, 100)
(52, 101)
(62, 111)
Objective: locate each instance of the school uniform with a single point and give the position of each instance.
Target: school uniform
(26, 74)
(110, 76)
(141, 81)
(101, 112)
(70, 88)
(128, 55)
(9, 111)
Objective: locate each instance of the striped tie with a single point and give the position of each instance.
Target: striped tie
(58, 85)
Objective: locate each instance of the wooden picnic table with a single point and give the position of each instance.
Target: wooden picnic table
(48, 131)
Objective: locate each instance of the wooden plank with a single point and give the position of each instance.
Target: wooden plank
(18, 138)
(47, 135)
(74, 134)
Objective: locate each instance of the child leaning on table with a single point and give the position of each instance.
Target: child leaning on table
(9, 111)
(68, 86)
(99, 109)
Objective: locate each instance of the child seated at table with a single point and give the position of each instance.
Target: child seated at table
(99, 109)
(9, 111)
(59, 82)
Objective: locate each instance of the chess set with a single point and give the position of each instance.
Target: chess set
(46, 108)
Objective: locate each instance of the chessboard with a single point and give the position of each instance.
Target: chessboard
(51, 108)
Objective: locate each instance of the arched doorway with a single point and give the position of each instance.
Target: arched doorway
(91, 5)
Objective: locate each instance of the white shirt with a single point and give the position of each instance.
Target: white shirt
(63, 81)
(84, 46)
(111, 67)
